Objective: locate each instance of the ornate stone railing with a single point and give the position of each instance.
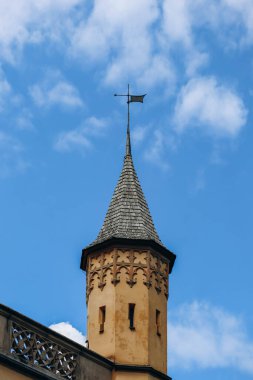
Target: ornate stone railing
(36, 350)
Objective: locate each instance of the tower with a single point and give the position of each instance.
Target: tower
(127, 269)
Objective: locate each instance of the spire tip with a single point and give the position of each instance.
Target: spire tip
(128, 143)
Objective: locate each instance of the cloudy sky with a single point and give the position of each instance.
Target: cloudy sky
(62, 136)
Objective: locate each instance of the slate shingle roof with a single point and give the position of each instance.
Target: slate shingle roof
(128, 215)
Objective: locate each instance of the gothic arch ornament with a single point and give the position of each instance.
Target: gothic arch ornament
(154, 267)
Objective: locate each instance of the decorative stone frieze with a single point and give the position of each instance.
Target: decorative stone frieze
(155, 269)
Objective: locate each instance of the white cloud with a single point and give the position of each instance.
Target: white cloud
(11, 156)
(194, 61)
(216, 109)
(81, 138)
(123, 44)
(159, 70)
(66, 329)
(72, 140)
(232, 18)
(138, 134)
(180, 21)
(28, 22)
(24, 120)
(204, 336)
(54, 90)
(238, 15)
(116, 35)
(9, 143)
(142, 48)
(5, 89)
(229, 21)
(177, 21)
(217, 154)
(111, 24)
(155, 153)
(200, 181)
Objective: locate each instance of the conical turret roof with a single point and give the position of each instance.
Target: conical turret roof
(128, 215)
(128, 220)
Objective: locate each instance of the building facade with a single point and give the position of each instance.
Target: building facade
(127, 288)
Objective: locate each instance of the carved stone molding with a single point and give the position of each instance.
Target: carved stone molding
(36, 350)
(155, 269)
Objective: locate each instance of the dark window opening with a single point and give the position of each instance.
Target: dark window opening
(158, 322)
(101, 318)
(131, 307)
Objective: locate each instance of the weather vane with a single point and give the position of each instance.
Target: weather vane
(130, 99)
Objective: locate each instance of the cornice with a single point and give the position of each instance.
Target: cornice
(123, 243)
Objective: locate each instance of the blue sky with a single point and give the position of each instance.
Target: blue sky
(62, 137)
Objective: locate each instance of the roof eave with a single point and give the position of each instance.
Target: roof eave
(124, 242)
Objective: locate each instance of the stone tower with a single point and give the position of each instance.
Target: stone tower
(127, 269)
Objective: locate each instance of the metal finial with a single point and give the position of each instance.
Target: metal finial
(128, 140)
(130, 99)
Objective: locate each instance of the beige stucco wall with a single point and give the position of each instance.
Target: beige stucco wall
(131, 346)
(157, 344)
(141, 346)
(8, 374)
(104, 343)
(131, 375)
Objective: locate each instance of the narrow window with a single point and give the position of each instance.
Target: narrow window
(158, 322)
(131, 307)
(101, 318)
